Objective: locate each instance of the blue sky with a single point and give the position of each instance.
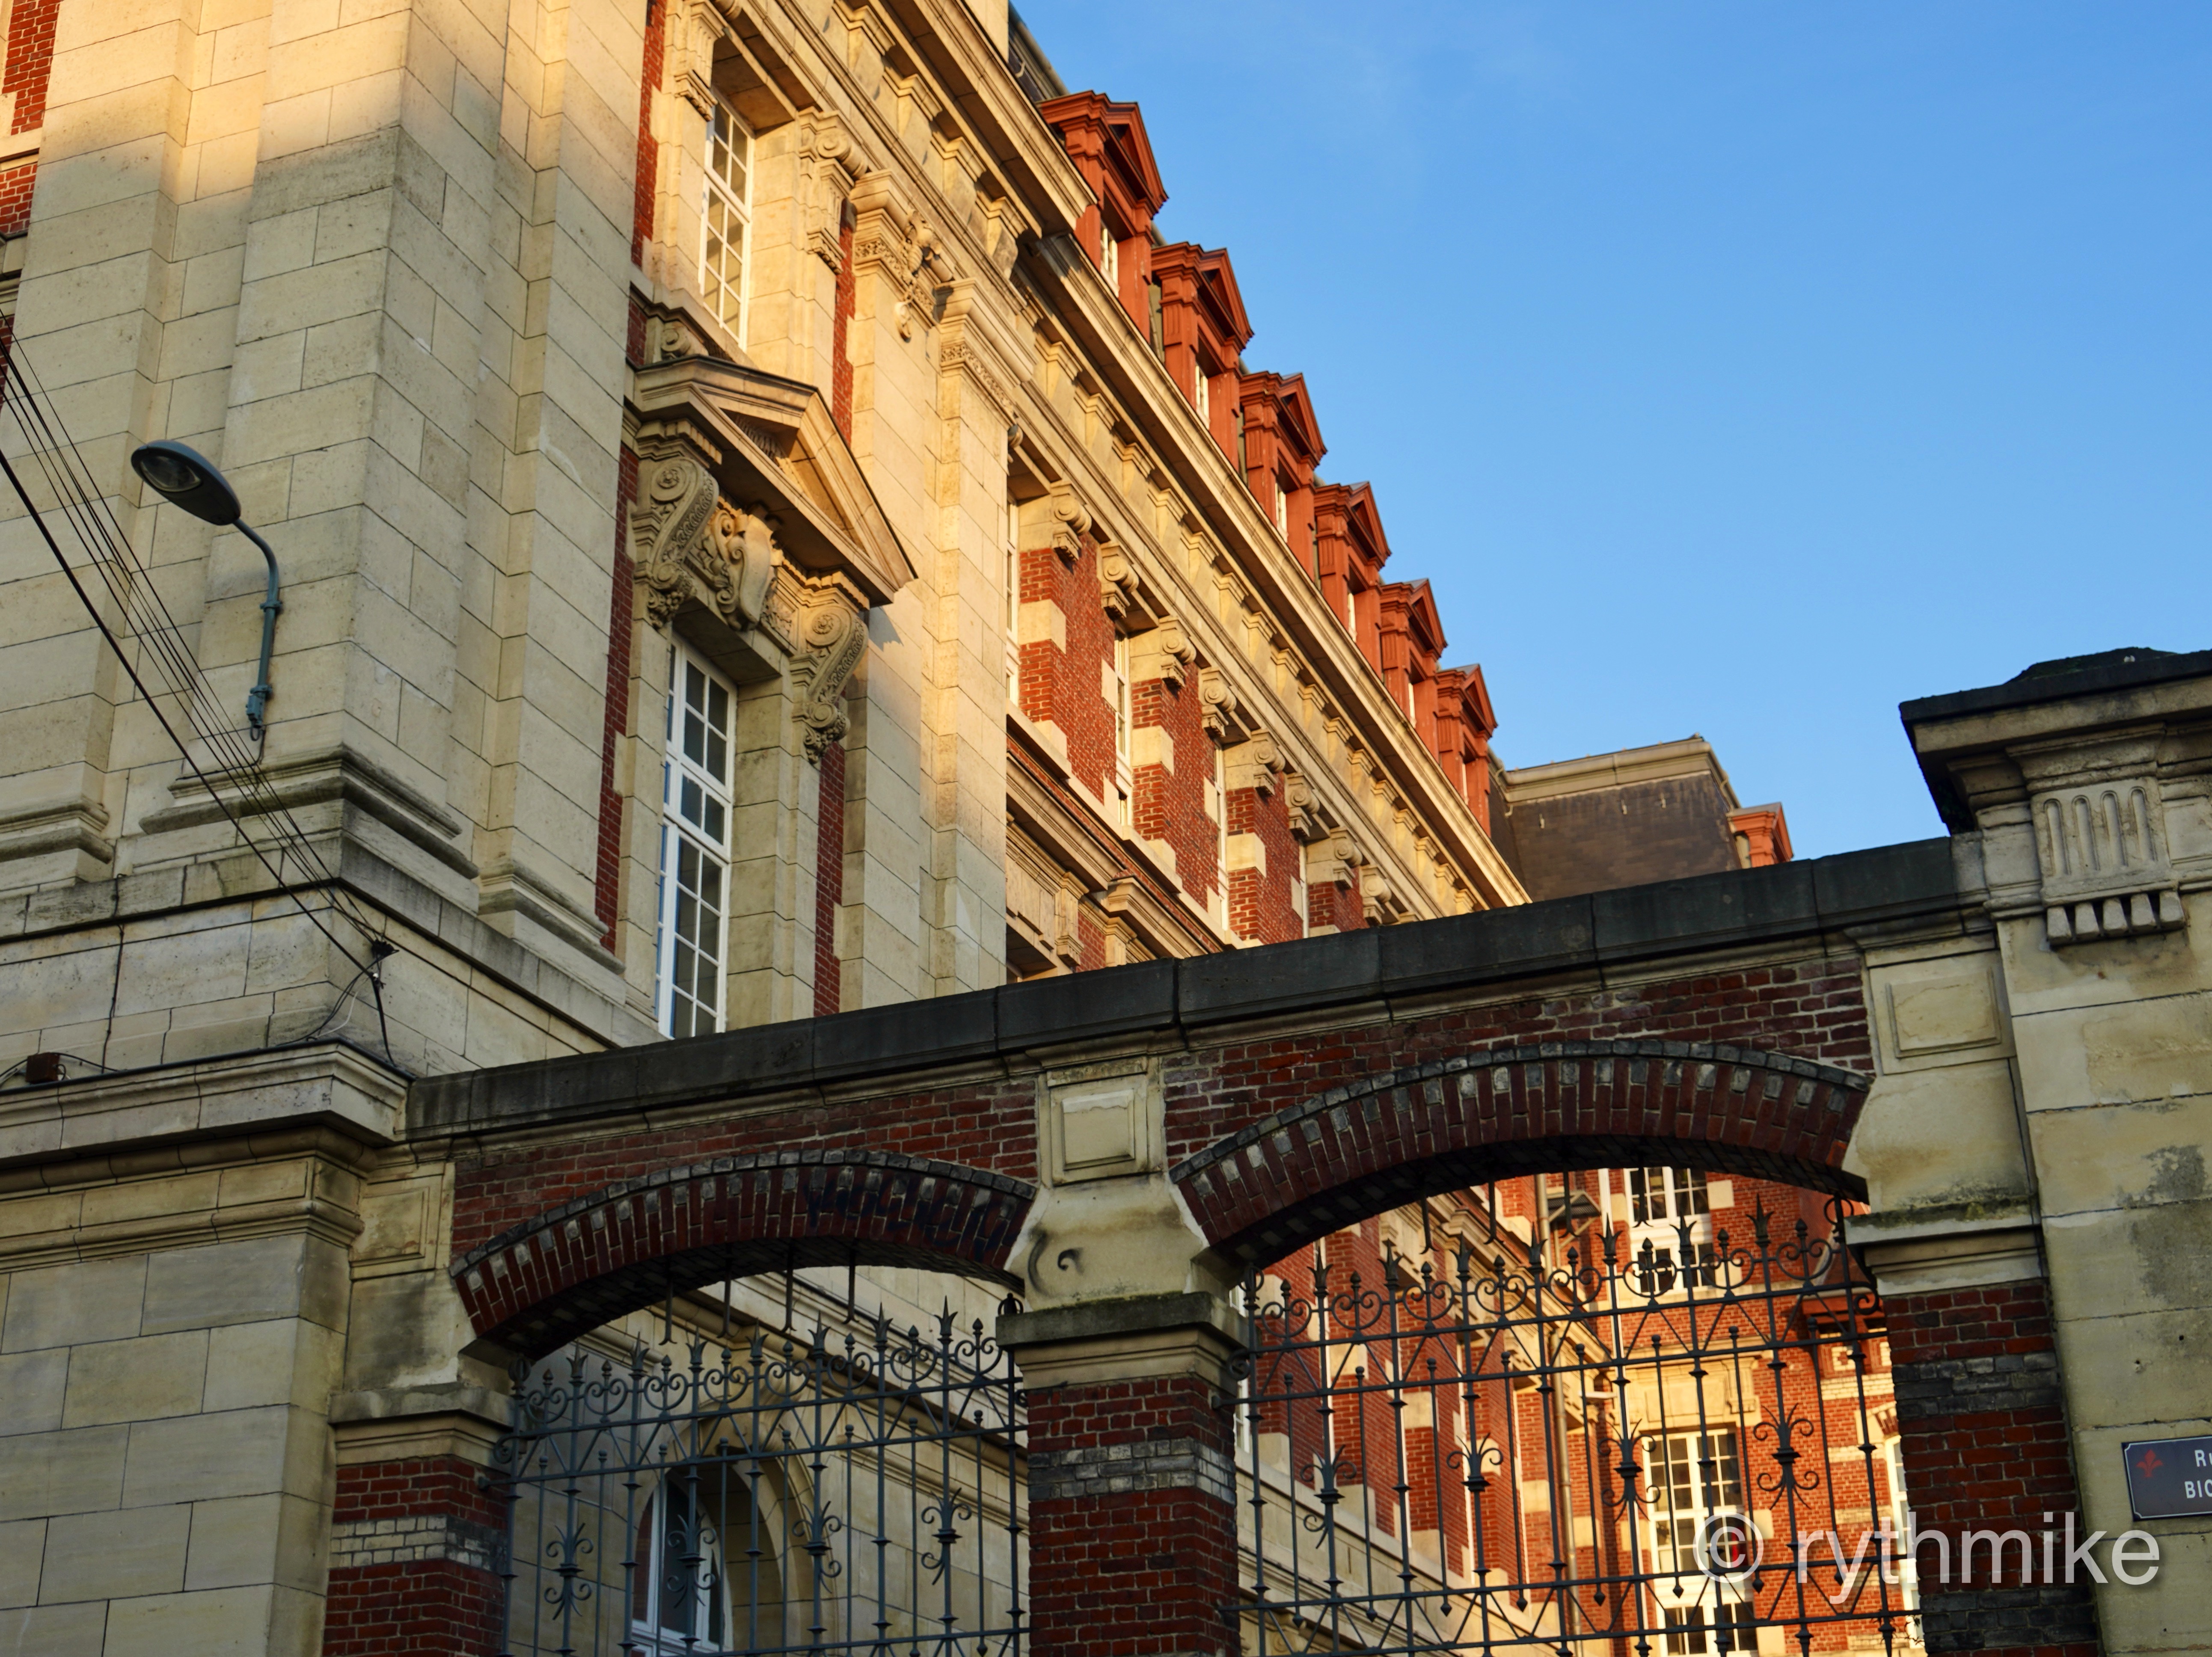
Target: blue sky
(1742, 368)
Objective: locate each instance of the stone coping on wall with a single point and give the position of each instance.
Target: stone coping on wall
(1623, 928)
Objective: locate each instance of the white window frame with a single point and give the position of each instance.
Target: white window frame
(716, 189)
(1201, 395)
(1660, 1201)
(1109, 255)
(697, 819)
(1013, 608)
(1282, 510)
(1124, 717)
(1676, 1527)
(651, 1634)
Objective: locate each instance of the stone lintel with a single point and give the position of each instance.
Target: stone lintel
(417, 1423)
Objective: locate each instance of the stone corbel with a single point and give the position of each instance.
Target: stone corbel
(1218, 701)
(689, 543)
(902, 245)
(1303, 807)
(1380, 900)
(1117, 581)
(828, 169)
(698, 27)
(1163, 653)
(1065, 522)
(1335, 860)
(832, 632)
(1255, 763)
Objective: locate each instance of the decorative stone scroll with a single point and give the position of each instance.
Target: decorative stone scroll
(690, 544)
(1163, 652)
(1217, 699)
(1117, 582)
(1303, 806)
(832, 633)
(1255, 763)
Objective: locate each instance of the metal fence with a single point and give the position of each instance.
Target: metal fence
(845, 1494)
(1573, 1448)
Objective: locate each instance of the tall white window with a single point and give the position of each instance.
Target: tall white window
(723, 243)
(1282, 510)
(1661, 1203)
(1124, 784)
(1694, 1478)
(694, 847)
(1201, 398)
(1109, 255)
(679, 1588)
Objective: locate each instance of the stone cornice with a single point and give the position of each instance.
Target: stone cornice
(1164, 418)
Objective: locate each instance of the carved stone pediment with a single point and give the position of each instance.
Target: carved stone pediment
(769, 440)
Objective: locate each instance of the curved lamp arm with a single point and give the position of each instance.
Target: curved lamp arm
(257, 700)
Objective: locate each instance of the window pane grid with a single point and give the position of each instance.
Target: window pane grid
(727, 211)
(692, 946)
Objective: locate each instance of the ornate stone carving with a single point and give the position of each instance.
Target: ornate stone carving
(826, 172)
(1217, 699)
(668, 337)
(692, 35)
(832, 633)
(1117, 581)
(1163, 652)
(1255, 763)
(1303, 807)
(2101, 848)
(689, 543)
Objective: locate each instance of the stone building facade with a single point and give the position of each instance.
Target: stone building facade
(767, 530)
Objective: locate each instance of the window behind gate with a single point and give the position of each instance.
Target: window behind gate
(1523, 1436)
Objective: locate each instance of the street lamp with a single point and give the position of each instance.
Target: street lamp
(183, 475)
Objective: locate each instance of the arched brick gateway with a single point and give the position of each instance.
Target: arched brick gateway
(1381, 1141)
(598, 1256)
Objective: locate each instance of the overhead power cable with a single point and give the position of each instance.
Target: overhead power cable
(153, 652)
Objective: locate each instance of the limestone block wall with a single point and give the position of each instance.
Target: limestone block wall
(168, 1343)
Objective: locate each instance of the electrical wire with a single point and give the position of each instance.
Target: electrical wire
(163, 654)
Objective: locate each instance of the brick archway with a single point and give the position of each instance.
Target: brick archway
(589, 1261)
(1388, 1139)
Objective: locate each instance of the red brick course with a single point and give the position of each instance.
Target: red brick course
(1260, 901)
(1060, 686)
(1982, 1423)
(648, 152)
(590, 1260)
(606, 890)
(30, 60)
(1138, 1572)
(425, 1607)
(1171, 805)
(829, 882)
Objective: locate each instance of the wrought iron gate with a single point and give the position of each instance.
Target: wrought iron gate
(838, 1495)
(1545, 1450)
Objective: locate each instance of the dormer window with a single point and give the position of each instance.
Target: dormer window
(1282, 510)
(1109, 255)
(1199, 399)
(723, 245)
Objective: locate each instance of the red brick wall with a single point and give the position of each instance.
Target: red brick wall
(1984, 1426)
(1260, 904)
(571, 1267)
(830, 883)
(1061, 687)
(606, 890)
(648, 153)
(419, 1605)
(1142, 1571)
(30, 60)
(16, 185)
(840, 355)
(1328, 904)
(1171, 805)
